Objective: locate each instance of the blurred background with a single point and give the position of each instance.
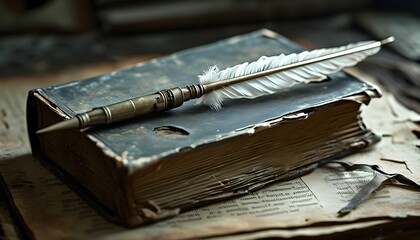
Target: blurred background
(88, 37)
(45, 42)
(122, 16)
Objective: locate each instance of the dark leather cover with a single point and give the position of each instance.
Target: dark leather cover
(202, 124)
(136, 139)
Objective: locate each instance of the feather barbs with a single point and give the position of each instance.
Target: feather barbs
(268, 84)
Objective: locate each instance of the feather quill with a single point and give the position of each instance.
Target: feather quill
(272, 83)
(247, 80)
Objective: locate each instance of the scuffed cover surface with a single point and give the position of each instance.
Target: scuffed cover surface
(136, 140)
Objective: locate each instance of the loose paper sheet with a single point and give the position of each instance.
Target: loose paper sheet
(52, 211)
(13, 143)
(13, 135)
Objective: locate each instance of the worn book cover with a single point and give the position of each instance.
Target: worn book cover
(155, 167)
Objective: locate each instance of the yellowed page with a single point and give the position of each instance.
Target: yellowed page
(13, 134)
(44, 201)
(305, 231)
(52, 211)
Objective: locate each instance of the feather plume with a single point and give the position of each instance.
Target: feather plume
(269, 84)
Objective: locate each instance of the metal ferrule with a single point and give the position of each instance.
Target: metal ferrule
(158, 102)
(192, 92)
(83, 119)
(172, 98)
(96, 116)
(108, 114)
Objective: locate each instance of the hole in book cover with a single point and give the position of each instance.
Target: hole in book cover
(170, 131)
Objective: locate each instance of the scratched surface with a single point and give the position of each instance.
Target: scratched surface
(43, 200)
(14, 141)
(397, 152)
(200, 122)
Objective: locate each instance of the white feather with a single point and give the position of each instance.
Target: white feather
(269, 84)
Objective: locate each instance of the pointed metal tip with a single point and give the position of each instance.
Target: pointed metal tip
(66, 124)
(388, 40)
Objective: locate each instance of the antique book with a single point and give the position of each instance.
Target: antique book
(155, 167)
(302, 207)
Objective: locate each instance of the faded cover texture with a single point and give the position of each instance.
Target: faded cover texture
(135, 141)
(203, 125)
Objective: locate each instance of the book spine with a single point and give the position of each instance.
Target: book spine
(110, 209)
